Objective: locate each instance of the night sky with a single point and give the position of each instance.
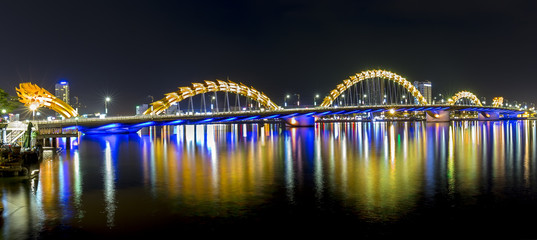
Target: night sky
(132, 49)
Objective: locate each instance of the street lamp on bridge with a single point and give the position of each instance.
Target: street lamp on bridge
(106, 100)
(288, 98)
(33, 107)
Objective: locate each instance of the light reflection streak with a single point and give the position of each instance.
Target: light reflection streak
(109, 186)
(534, 145)
(152, 169)
(500, 146)
(484, 144)
(526, 153)
(77, 185)
(199, 131)
(318, 169)
(289, 171)
(451, 163)
(332, 158)
(392, 147)
(405, 141)
(343, 151)
(213, 153)
(366, 142)
(63, 186)
(385, 145)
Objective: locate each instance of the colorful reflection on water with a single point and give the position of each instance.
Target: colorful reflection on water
(375, 176)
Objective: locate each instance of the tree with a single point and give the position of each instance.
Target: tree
(8, 103)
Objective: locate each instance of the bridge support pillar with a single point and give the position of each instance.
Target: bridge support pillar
(437, 116)
(488, 116)
(302, 121)
(67, 142)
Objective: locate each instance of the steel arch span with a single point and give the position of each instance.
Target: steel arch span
(211, 86)
(35, 97)
(368, 74)
(464, 94)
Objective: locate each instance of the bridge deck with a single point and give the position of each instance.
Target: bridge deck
(134, 122)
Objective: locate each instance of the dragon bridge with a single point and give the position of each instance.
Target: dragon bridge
(35, 97)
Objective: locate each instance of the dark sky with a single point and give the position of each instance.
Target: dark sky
(132, 49)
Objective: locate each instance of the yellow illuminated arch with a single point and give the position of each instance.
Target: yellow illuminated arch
(497, 102)
(211, 86)
(35, 97)
(464, 94)
(358, 77)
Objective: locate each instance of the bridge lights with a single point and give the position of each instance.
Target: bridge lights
(212, 100)
(315, 99)
(293, 121)
(391, 111)
(106, 100)
(33, 107)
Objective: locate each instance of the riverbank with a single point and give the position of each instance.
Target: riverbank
(15, 162)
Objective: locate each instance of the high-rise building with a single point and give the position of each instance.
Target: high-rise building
(140, 109)
(62, 91)
(425, 90)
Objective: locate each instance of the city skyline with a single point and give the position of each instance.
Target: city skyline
(138, 49)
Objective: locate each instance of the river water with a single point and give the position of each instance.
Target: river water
(365, 180)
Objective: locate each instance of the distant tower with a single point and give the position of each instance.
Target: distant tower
(62, 91)
(425, 90)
